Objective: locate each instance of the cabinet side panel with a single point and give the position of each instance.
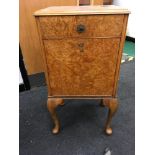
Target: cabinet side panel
(43, 55)
(120, 54)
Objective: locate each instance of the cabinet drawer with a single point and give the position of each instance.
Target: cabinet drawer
(81, 26)
(81, 66)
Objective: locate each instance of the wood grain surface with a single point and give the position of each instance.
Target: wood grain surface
(72, 66)
(82, 10)
(89, 2)
(95, 26)
(108, 2)
(76, 71)
(120, 53)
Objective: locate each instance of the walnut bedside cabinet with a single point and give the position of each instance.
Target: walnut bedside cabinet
(82, 48)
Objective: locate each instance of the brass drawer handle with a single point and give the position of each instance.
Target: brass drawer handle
(80, 28)
(81, 47)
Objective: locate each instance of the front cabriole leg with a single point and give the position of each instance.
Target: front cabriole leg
(52, 104)
(112, 104)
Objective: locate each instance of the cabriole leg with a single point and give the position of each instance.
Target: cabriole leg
(52, 104)
(112, 104)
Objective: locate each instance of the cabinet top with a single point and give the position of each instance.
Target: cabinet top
(81, 10)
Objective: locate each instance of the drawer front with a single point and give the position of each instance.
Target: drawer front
(81, 26)
(81, 66)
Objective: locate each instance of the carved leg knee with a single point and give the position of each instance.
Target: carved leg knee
(112, 104)
(52, 104)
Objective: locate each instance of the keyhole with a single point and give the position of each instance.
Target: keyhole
(81, 47)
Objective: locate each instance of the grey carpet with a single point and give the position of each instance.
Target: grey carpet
(82, 123)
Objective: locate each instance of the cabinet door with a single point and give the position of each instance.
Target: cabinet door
(81, 67)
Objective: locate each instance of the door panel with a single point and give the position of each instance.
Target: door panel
(81, 66)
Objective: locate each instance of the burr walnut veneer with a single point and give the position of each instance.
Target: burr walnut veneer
(82, 48)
